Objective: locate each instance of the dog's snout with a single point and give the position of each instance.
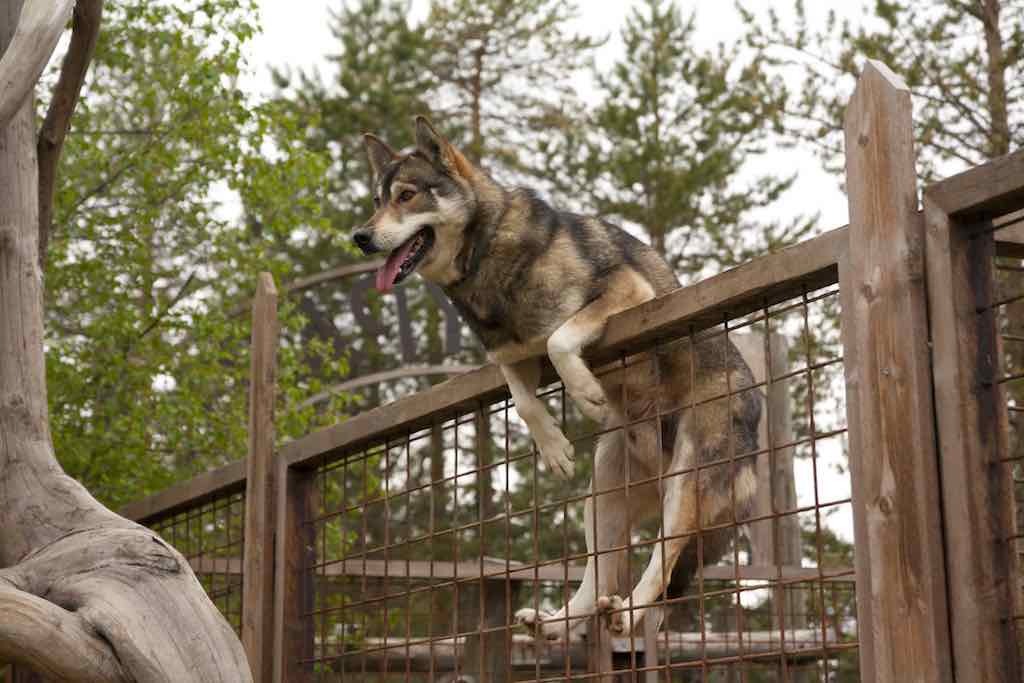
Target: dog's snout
(364, 240)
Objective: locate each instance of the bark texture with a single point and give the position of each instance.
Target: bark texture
(86, 595)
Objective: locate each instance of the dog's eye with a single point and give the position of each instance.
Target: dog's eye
(406, 196)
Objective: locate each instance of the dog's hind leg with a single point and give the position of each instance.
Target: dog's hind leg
(556, 451)
(679, 518)
(626, 288)
(606, 527)
(724, 492)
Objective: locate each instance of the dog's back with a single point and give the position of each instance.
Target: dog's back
(534, 268)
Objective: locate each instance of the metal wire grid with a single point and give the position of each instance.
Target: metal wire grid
(427, 545)
(1009, 308)
(211, 537)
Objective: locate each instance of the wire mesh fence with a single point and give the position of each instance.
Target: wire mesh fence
(429, 544)
(1008, 307)
(211, 537)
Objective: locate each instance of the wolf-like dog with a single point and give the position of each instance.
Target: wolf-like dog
(531, 280)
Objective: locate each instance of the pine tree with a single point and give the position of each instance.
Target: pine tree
(963, 61)
(668, 143)
(504, 71)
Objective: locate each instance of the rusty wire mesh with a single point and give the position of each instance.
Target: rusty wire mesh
(1009, 309)
(427, 545)
(211, 537)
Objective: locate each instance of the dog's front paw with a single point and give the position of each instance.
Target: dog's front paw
(613, 608)
(557, 453)
(593, 402)
(539, 624)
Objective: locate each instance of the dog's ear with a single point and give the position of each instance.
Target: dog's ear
(438, 150)
(378, 152)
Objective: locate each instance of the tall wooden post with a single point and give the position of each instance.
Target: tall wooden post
(901, 582)
(295, 553)
(260, 499)
(973, 428)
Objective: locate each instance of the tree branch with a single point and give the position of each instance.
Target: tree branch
(167, 309)
(39, 28)
(85, 29)
(56, 642)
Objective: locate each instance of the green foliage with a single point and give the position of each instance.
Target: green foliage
(963, 61)
(147, 367)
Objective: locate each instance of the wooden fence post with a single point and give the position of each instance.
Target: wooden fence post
(260, 501)
(295, 553)
(901, 582)
(973, 428)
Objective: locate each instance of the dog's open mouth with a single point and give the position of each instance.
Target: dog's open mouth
(403, 260)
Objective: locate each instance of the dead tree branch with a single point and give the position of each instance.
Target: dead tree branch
(84, 32)
(39, 28)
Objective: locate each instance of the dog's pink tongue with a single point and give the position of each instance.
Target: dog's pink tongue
(387, 273)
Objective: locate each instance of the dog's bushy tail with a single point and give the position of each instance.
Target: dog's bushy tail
(713, 545)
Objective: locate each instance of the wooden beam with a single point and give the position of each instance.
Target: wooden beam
(901, 585)
(765, 281)
(399, 655)
(387, 376)
(188, 495)
(310, 281)
(983, 192)
(977, 486)
(496, 570)
(260, 498)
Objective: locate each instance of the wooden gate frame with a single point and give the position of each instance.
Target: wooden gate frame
(927, 418)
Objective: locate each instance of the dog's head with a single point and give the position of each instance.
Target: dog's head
(423, 201)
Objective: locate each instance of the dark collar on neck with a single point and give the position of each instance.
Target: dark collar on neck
(479, 233)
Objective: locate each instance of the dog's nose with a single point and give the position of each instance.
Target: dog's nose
(364, 241)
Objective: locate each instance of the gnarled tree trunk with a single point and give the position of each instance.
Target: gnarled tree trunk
(85, 594)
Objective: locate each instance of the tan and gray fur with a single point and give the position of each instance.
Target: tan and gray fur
(531, 280)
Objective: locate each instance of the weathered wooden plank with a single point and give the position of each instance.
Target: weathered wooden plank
(496, 570)
(983, 192)
(295, 552)
(260, 499)
(977, 494)
(190, 494)
(528, 654)
(764, 281)
(901, 598)
(443, 401)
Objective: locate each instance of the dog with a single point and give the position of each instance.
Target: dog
(531, 280)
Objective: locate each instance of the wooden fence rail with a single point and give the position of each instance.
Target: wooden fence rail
(926, 415)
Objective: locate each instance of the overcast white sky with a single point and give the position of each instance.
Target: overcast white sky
(297, 33)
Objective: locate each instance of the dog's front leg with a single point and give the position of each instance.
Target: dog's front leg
(564, 349)
(556, 451)
(565, 346)
(605, 527)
